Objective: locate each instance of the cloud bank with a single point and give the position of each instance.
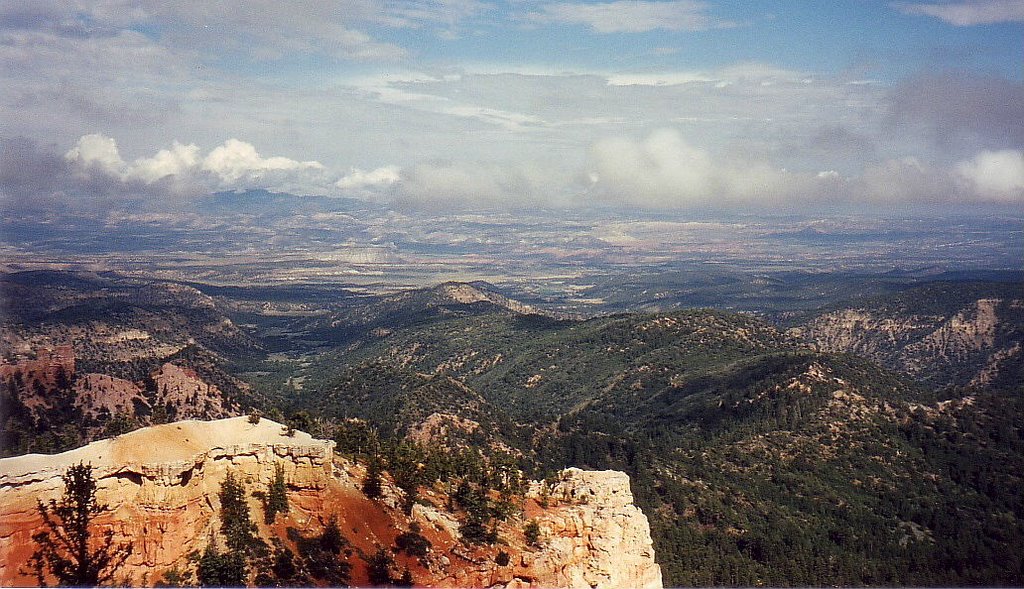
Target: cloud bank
(93, 171)
(233, 165)
(662, 170)
(995, 174)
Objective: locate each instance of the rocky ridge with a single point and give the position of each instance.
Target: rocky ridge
(161, 484)
(965, 345)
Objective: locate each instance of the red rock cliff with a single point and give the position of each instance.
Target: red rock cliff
(162, 483)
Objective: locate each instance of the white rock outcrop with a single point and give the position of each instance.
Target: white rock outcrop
(592, 536)
(162, 483)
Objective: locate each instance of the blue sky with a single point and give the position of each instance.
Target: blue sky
(867, 36)
(456, 103)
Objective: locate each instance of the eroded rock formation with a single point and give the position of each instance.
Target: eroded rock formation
(967, 345)
(162, 485)
(593, 535)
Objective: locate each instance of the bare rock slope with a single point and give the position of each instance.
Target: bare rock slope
(963, 344)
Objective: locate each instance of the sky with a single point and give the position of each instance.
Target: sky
(456, 104)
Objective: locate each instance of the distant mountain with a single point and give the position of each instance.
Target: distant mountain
(263, 203)
(451, 294)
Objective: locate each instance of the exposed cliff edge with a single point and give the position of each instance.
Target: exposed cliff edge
(597, 528)
(966, 344)
(162, 483)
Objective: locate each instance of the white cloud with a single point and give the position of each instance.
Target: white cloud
(359, 180)
(416, 13)
(233, 165)
(990, 176)
(177, 160)
(750, 73)
(237, 160)
(663, 170)
(659, 79)
(966, 14)
(98, 151)
(328, 28)
(632, 16)
(997, 175)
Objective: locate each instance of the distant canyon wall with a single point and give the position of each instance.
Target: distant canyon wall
(963, 347)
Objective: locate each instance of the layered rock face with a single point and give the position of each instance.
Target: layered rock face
(161, 483)
(162, 486)
(591, 536)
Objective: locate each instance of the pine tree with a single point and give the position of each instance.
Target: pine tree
(531, 531)
(406, 580)
(371, 485)
(218, 569)
(236, 522)
(277, 496)
(331, 539)
(63, 548)
(319, 555)
(378, 568)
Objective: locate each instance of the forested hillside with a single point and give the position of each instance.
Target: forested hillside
(761, 455)
(759, 460)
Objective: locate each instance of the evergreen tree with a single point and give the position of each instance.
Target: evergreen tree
(412, 542)
(331, 539)
(282, 570)
(63, 549)
(277, 496)
(531, 531)
(371, 485)
(218, 569)
(230, 568)
(319, 555)
(175, 578)
(406, 580)
(408, 479)
(236, 522)
(502, 559)
(120, 423)
(378, 568)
